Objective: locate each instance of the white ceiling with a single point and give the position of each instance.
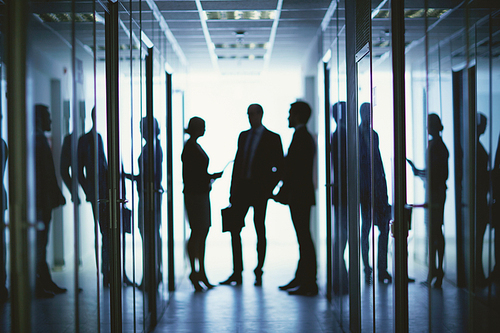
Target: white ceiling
(287, 46)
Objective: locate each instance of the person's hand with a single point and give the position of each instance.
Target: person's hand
(416, 172)
(216, 175)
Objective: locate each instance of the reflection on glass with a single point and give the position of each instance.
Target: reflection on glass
(150, 193)
(482, 189)
(4, 293)
(339, 197)
(371, 160)
(89, 177)
(495, 274)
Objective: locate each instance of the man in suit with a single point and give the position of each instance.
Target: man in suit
(380, 204)
(87, 175)
(297, 192)
(48, 197)
(256, 170)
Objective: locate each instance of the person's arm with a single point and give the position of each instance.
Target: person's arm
(417, 172)
(216, 175)
(81, 164)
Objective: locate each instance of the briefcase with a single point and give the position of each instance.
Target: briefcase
(233, 219)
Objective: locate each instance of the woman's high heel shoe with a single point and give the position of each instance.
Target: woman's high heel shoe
(196, 283)
(204, 279)
(439, 279)
(430, 278)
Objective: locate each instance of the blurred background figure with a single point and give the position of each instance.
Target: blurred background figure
(339, 196)
(48, 197)
(89, 176)
(150, 191)
(380, 203)
(435, 177)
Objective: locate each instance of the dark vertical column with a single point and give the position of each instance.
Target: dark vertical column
(170, 189)
(150, 264)
(76, 215)
(328, 149)
(470, 161)
(112, 113)
(400, 227)
(20, 259)
(352, 170)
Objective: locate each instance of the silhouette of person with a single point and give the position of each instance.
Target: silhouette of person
(298, 192)
(146, 201)
(482, 189)
(89, 176)
(65, 168)
(256, 172)
(4, 293)
(381, 208)
(435, 176)
(339, 197)
(197, 186)
(48, 197)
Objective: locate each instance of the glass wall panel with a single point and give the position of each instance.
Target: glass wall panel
(78, 174)
(129, 45)
(4, 212)
(338, 95)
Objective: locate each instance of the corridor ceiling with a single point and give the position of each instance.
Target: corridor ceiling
(248, 37)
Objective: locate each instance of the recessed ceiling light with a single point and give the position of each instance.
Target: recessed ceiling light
(414, 13)
(241, 46)
(247, 57)
(66, 17)
(241, 15)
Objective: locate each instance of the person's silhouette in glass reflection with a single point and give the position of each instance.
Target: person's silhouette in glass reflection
(435, 176)
(65, 165)
(256, 173)
(4, 293)
(89, 177)
(339, 197)
(381, 208)
(48, 197)
(482, 189)
(297, 192)
(197, 186)
(150, 205)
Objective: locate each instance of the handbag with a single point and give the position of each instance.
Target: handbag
(233, 219)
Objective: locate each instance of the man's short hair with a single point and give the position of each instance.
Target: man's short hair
(257, 108)
(303, 111)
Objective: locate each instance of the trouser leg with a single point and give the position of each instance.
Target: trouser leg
(260, 229)
(237, 252)
(307, 266)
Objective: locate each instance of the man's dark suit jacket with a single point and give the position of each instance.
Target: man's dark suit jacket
(266, 165)
(86, 160)
(48, 193)
(298, 186)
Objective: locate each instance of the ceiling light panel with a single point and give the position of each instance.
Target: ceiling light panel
(250, 46)
(241, 15)
(65, 17)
